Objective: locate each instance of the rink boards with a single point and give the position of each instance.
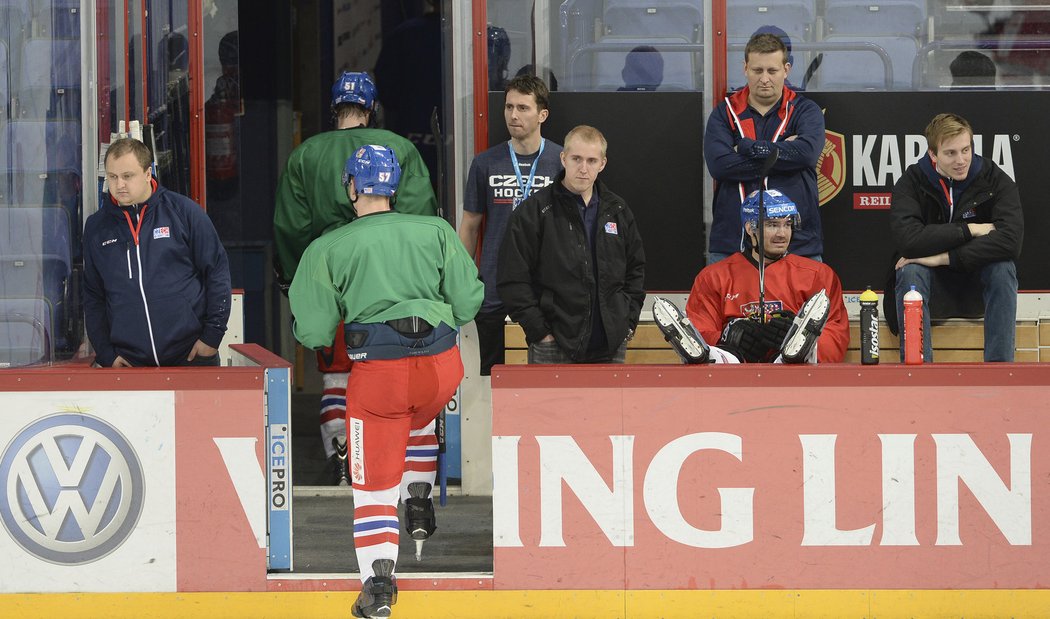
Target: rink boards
(619, 492)
(145, 480)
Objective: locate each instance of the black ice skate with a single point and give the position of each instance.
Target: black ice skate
(681, 333)
(378, 593)
(806, 328)
(338, 464)
(420, 521)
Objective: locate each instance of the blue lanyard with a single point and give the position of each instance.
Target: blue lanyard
(525, 186)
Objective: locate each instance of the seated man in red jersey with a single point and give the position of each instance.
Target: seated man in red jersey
(800, 318)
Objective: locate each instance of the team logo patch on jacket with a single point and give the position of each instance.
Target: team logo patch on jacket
(610, 227)
(162, 233)
(751, 310)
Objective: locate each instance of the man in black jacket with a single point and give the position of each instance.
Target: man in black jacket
(957, 226)
(571, 267)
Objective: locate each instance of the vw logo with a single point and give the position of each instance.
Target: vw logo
(72, 489)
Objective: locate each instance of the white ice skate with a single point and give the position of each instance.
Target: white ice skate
(806, 328)
(681, 333)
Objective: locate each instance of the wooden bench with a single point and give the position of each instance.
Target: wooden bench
(954, 341)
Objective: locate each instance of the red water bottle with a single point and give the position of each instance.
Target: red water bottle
(912, 327)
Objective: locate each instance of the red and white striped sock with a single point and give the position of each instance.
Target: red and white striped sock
(376, 527)
(420, 458)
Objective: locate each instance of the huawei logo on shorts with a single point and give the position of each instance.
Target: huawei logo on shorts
(356, 442)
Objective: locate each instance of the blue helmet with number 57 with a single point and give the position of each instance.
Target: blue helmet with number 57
(375, 171)
(357, 88)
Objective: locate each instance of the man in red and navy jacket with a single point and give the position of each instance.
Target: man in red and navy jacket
(742, 132)
(156, 276)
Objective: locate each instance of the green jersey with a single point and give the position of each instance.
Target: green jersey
(380, 267)
(311, 198)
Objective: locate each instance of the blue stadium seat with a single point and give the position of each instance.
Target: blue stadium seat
(744, 17)
(42, 165)
(48, 103)
(41, 147)
(50, 63)
(58, 18)
(651, 18)
(12, 19)
(896, 26)
(35, 267)
(881, 18)
(24, 335)
(626, 24)
(682, 69)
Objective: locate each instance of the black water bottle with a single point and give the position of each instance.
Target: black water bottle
(869, 327)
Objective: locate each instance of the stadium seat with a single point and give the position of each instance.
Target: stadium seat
(744, 17)
(49, 103)
(42, 165)
(24, 336)
(36, 265)
(895, 26)
(58, 18)
(883, 18)
(603, 70)
(626, 24)
(50, 63)
(12, 19)
(646, 18)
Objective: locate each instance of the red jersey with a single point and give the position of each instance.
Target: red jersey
(729, 289)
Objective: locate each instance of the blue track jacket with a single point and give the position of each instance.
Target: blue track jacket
(150, 302)
(733, 159)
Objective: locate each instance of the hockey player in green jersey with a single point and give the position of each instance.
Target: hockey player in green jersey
(402, 284)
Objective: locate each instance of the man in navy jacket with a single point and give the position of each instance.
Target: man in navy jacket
(742, 132)
(156, 277)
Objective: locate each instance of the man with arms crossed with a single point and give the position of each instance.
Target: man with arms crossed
(744, 130)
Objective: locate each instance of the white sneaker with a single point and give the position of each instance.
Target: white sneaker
(681, 333)
(806, 328)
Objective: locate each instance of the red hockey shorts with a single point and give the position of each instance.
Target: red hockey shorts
(384, 401)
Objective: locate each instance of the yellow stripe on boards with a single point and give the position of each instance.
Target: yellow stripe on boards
(767, 604)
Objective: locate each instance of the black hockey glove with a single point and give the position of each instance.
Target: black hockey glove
(776, 329)
(744, 338)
